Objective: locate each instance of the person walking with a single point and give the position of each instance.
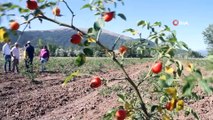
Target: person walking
(7, 56)
(29, 57)
(15, 57)
(44, 57)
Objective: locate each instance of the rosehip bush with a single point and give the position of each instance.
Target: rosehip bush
(166, 76)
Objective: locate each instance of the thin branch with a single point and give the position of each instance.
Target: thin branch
(28, 21)
(146, 77)
(22, 32)
(140, 36)
(143, 105)
(116, 41)
(150, 70)
(61, 24)
(98, 35)
(73, 15)
(99, 43)
(117, 79)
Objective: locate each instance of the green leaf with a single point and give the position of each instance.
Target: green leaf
(153, 29)
(162, 39)
(205, 86)
(194, 95)
(122, 16)
(48, 4)
(153, 108)
(132, 31)
(187, 112)
(191, 111)
(110, 114)
(88, 52)
(97, 13)
(163, 83)
(9, 4)
(90, 30)
(198, 73)
(40, 1)
(13, 7)
(86, 43)
(195, 114)
(157, 24)
(169, 81)
(96, 26)
(156, 41)
(80, 60)
(148, 26)
(121, 98)
(142, 23)
(189, 85)
(70, 77)
(153, 37)
(86, 6)
(187, 89)
(181, 43)
(179, 66)
(26, 17)
(21, 10)
(172, 39)
(166, 28)
(163, 99)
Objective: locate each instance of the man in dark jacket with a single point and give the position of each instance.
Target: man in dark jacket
(30, 55)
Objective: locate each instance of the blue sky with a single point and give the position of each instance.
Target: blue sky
(197, 13)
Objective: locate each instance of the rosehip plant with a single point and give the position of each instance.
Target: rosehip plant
(171, 87)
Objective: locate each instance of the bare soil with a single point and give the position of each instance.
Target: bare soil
(47, 99)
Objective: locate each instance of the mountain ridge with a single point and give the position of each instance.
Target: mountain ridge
(61, 37)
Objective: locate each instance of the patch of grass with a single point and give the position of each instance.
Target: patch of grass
(109, 90)
(66, 65)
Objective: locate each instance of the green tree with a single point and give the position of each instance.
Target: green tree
(208, 38)
(52, 48)
(40, 43)
(195, 54)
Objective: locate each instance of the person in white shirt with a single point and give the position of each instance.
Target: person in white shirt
(15, 54)
(7, 56)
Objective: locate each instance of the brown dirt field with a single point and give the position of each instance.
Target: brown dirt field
(21, 99)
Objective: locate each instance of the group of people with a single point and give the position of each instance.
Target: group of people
(12, 55)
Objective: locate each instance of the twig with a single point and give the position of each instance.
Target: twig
(113, 47)
(99, 43)
(117, 79)
(61, 24)
(98, 35)
(22, 32)
(150, 70)
(73, 15)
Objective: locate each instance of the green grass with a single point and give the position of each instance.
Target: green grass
(66, 65)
